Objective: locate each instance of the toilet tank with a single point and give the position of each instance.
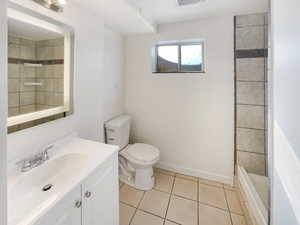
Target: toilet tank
(117, 131)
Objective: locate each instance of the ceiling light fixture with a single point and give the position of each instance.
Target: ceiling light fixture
(55, 5)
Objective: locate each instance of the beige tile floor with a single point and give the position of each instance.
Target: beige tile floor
(181, 200)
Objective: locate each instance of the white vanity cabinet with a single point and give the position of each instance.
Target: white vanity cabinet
(100, 197)
(66, 212)
(93, 202)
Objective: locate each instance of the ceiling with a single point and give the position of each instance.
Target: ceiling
(168, 11)
(28, 31)
(121, 15)
(141, 16)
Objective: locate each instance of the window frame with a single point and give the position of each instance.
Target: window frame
(179, 44)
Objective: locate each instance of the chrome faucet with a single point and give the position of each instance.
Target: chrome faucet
(35, 160)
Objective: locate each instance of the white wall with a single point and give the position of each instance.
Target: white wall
(286, 111)
(3, 110)
(189, 117)
(92, 88)
(113, 79)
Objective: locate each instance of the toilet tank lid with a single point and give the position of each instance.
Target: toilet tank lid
(118, 121)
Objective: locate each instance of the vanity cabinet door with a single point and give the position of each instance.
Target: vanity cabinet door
(101, 197)
(66, 212)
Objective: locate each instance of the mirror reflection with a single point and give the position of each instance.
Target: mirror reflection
(35, 71)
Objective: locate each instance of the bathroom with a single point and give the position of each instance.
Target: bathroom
(140, 112)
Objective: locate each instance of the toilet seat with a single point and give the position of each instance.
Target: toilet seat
(141, 153)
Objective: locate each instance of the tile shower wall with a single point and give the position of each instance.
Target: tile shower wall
(21, 98)
(50, 94)
(250, 96)
(25, 99)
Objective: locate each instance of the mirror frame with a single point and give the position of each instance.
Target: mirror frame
(67, 33)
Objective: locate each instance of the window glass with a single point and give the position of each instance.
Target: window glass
(191, 58)
(167, 58)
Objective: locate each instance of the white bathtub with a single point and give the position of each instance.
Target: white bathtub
(255, 189)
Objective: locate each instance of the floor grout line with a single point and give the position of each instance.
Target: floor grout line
(169, 201)
(136, 209)
(171, 194)
(151, 213)
(228, 206)
(198, 204)
(173, 221)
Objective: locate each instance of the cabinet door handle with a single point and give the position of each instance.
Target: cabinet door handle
(88, 194)
(78, 204)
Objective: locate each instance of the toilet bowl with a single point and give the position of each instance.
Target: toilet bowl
(135, 160)
(141, 158)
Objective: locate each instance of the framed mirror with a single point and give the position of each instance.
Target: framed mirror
(40, 68)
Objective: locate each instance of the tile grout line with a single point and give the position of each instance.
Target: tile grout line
(228, 206)
(169, 200)
(136, 209)
(147, 212)
(173, 194)
(198, 204)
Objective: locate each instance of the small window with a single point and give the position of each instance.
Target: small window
(179, 57)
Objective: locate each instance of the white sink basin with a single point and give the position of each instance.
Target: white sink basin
(71, 164)
(29, 185)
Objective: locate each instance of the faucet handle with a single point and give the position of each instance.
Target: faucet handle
(26, 165)
(46, 152)
(45, 155)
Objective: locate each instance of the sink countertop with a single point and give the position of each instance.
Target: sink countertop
(71, 161)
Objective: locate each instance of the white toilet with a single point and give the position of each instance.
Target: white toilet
(135, 160)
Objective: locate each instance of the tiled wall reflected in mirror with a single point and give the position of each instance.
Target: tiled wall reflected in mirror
(36, 73)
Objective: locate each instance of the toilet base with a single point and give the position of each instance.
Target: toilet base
(143, 179)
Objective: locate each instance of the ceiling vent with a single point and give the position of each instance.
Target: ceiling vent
(188, 2)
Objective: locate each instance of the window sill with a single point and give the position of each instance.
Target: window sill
(178, 72)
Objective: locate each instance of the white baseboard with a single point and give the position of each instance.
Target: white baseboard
(196, 173)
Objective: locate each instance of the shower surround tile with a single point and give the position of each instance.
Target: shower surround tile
(250, 140)
(253, 162)
(13, 51)
(250, 69)
(24, 87)
(251, 58)
(13, 111)
(13, 85)
(252, 93)
(250, 37)
(258, 19)
(27, 109)
(27, 98)
(27, 52)
(13, 100)
(249, 116)
(13, 70)
(27, 72)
